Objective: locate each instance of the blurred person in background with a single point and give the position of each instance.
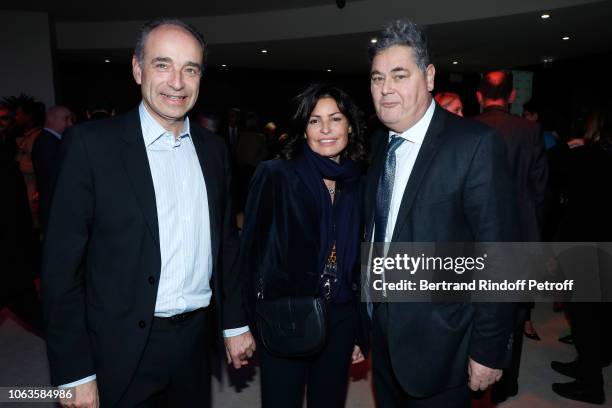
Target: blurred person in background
(451, 102)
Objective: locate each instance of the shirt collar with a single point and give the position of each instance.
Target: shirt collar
(54, 133)
(417, 132)
(152, 130)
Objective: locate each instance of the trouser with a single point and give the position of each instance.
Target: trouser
(388, 391)
(591, 332)
(174, 369)
(324, 375)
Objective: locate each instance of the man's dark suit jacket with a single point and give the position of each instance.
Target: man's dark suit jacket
(102, 263)
(527, 159)
(460, 190)
(45, 157)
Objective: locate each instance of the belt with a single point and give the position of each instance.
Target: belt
(180, 317)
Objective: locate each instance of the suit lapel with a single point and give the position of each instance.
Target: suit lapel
(212, 179)
(428, 150)
(136, 162)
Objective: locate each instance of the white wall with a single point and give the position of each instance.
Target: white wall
(26, 56)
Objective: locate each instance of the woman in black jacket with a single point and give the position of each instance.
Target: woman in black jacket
(303, 215)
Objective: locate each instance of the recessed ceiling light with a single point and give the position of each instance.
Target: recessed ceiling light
(455, 62)
(264, 51)
(545, 16)
(329, 70)
(224, 65)
(374, 40)
(565, 38)
(106, 60)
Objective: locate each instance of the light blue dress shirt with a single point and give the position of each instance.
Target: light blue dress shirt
(182, 217)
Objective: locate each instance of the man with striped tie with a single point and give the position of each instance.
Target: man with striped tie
(435, 177)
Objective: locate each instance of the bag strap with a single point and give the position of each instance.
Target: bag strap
(330, 272)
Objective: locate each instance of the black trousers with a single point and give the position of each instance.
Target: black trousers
(387, 389)
(591, 331)
(325, 375)
(174, 370)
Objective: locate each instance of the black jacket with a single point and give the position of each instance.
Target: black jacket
(460, 190)
(45, 157)
(528, 164)
(280, 238)
(101, 260)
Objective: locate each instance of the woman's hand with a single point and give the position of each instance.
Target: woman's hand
(357, 356)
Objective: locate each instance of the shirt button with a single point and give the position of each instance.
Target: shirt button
(151, 280)
(142, 324)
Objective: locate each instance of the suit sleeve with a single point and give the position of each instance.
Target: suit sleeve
(62, 273)
(490, 209)
(232, 286)
(257, 220)
(40, 163)
(538, 174)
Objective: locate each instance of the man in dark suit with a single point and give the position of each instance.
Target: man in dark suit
(45, 157)
(434, 177)
(525, 149)
(527, 161)
(141, 241)
(17, 244)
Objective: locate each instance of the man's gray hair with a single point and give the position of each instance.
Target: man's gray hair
(149, 26)
(402, 32)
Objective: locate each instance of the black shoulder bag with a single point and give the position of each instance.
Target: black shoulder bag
(296, 326)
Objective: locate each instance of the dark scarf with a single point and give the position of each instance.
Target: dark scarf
(344, 214)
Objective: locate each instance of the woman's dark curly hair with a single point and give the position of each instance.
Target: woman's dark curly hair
(306, 102)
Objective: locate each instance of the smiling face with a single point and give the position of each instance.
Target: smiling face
(327, 129)
(169, 77)
(400, 89)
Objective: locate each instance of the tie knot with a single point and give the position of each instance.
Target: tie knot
(394, 143)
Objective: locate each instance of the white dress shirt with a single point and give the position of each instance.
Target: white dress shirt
(405, 157)
(54, 133)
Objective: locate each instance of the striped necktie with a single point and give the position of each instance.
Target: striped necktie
(385, 190)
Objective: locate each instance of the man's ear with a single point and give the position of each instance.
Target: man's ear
(430, 74)
(512, 97)
(136, 70)
(479, 97)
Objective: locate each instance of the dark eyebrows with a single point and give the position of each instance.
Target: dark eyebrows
(331, 114)
(193, 64)
(169, 60)
(396, 69)
(161, 59)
